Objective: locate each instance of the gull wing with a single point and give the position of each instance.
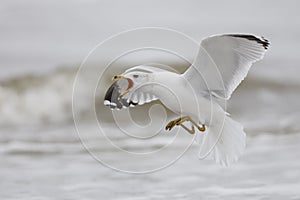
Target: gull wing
(140, 95)
(131, 99)
(145, 68)
(223, 61)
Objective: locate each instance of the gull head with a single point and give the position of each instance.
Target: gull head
(124, 85)
(133, 79)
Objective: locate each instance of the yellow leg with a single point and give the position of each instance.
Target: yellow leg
(171, 124)
(180, 121)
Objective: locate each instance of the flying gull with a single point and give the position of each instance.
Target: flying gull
(222, 62)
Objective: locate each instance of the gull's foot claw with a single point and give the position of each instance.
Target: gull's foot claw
(175, 122)
(170, 125)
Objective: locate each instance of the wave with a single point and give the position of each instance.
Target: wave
(37, 99)
(47, 99)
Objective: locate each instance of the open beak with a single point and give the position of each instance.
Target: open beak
(130, 83)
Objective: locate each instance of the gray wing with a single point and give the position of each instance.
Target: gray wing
(223, 61)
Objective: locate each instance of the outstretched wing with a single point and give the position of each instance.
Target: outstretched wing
(140, 95)
(223, 61)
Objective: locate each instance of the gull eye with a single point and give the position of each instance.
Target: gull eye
(135, 76)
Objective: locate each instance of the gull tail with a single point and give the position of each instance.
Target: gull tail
(225, 141)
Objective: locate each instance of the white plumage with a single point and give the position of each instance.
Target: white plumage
(223, 61)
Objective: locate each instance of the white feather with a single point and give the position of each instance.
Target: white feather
(225, 142)
(223, 61)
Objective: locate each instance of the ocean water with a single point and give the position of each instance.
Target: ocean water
(45, 156)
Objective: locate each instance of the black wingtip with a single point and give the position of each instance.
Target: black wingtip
(264, 42)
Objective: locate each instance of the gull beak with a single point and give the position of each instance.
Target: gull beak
(117, 77)
(130, 84)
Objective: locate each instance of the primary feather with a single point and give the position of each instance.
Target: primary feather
(223, 61)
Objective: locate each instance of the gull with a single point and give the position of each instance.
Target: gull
(198, 96)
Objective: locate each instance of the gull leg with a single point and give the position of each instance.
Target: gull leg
(184, 119)
(180, 121)
(172, 123)
(190, 131)
(187, 118)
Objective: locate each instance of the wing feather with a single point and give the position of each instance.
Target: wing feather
(138, 96)
(223, 61)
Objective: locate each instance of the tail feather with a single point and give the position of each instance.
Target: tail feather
(225, 142)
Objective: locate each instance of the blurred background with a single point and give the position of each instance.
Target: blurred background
(42, 44)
